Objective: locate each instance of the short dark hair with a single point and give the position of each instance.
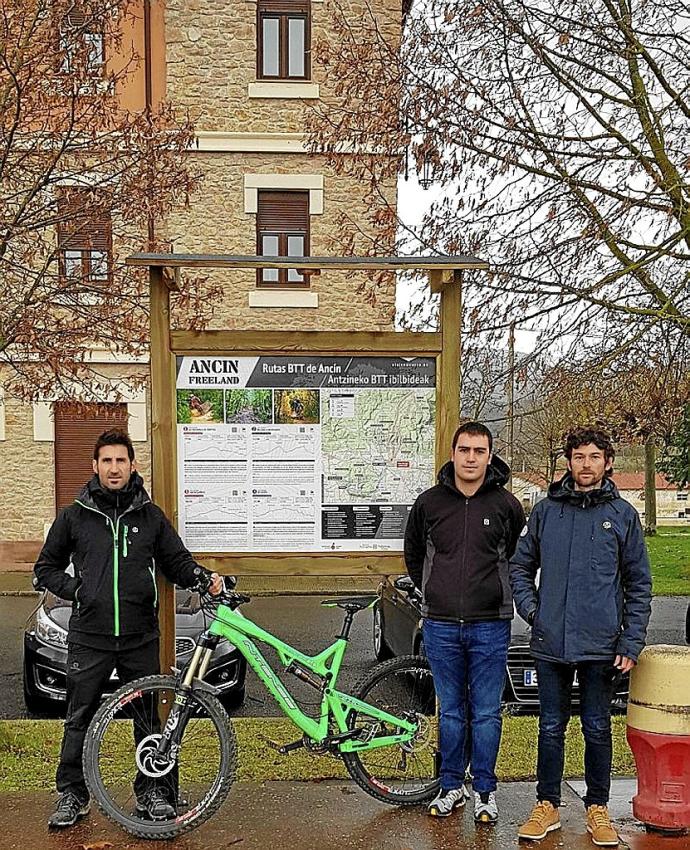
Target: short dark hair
(583, 436)
(475, 428)
(114, 437)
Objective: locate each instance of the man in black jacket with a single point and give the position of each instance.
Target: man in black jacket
(459, 539)
(116, 539)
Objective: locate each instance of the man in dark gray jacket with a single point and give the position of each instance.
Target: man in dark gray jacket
(589, 616)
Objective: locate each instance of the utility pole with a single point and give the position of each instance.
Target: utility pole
(511, 401)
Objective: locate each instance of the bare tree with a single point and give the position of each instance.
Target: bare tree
(557, 132)
(640, 398)
(564, 400)
(81, 179)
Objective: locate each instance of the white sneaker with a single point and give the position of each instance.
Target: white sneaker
(485, 811)
(445, 802)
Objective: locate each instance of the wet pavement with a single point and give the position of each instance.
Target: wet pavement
(333, 815)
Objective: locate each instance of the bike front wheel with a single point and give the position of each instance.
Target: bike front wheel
(124, 774)
(402, 774)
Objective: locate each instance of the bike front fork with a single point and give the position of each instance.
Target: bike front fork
(182, 707)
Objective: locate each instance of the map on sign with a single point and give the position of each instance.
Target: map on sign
(302, 454)
(377, 445)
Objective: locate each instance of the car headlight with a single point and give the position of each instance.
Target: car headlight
(48, 630)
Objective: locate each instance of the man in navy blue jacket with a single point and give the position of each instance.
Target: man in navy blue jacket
(589, 615)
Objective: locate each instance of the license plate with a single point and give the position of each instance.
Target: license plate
(529, 678)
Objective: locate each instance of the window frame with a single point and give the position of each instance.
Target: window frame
(283, 281)
(75, 245)
(283, 11)
(76, 26)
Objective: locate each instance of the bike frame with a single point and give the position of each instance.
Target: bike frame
(335, 704)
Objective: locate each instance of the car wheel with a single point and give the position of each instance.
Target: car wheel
(381, 650)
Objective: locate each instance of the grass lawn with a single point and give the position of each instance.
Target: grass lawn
(669, 553)
(29, 752)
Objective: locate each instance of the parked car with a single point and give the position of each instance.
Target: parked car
(45, 654)
(397, 631)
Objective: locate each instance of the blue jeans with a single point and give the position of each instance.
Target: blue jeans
(468, 662)
(596, 689)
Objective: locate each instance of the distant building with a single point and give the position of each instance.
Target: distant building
(672, 504)
(529, 488)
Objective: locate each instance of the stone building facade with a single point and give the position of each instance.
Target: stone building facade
(206, 58)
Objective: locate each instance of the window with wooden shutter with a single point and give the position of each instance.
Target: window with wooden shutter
(77, 427)
(282, 226)
(84, 232)
(283, 40)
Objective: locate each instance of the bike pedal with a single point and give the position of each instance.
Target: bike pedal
(286, 748)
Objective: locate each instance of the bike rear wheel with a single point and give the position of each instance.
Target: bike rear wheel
(120, 766)
(404, 774)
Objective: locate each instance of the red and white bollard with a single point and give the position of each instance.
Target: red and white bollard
(658, 731)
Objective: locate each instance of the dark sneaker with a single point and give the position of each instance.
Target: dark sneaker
(155, 806)
(69, 809)
(485, 808)
(445, 802)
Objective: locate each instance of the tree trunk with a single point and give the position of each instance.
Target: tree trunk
(650, 486)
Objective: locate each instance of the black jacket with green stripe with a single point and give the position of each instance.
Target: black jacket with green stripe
(116, 541)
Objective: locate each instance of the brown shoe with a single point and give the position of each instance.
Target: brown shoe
(600, 828)
(544, 819)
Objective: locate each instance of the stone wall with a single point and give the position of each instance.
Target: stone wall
(216, 222)
(211, 62)
(27, 473)
(27, 477)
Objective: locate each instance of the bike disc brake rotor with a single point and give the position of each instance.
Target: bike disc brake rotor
(422, 738)
(148, 762)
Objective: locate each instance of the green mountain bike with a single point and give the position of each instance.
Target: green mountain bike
(170, 737)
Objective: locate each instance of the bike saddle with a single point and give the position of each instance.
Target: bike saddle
(351, 603)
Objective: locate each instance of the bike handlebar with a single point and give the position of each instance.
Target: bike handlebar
(227, 596)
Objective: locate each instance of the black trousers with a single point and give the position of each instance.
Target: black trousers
(88, 673)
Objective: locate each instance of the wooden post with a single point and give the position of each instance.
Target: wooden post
(163, 410)
(448, 379)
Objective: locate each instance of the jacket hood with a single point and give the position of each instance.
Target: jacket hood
(133, 494)
(497, 475)
(564, 491)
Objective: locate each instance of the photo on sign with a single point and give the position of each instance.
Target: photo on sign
(248, 406)
(296, 407)
(199, 406)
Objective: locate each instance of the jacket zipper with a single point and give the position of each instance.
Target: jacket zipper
(463, 572)
(116, 578)
(116, 559)
(155, 586)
